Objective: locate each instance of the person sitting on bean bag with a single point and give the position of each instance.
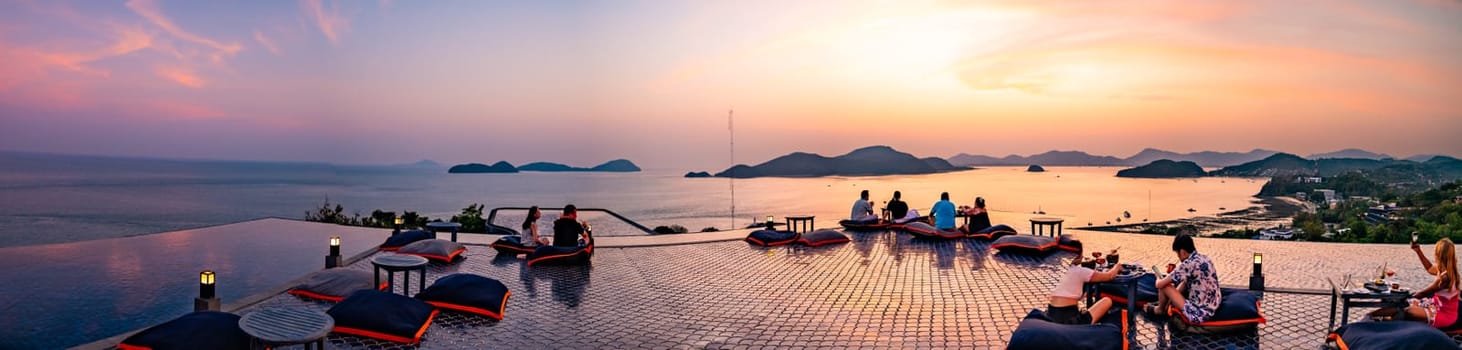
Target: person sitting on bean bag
(567, 229)
(1440, 310)
(943, 212)
(897, 208)
(1062, 307)
(862, 209)
(1197, 276)
(530, 234)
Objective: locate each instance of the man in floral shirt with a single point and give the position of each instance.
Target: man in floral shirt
(1197, 277)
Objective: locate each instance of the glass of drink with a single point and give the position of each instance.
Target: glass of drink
(1171, 267)
(1113, 257)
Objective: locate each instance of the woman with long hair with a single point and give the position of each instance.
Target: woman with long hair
(530, 229)
(1440, 310)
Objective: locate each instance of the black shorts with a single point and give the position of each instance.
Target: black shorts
(1067, 315)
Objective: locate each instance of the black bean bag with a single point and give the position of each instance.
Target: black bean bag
(468, 293)
(1396, 335)
(382, 315)
(435, 249)
(1146, 291)
(558, 255)
(822, 237)
(1069, 243)
(924, 230)
(1036, 332)
(334, 284)
(403, 238)
(769, 238)
(198, 330)
(1238, 311)
(511, 245)
(992, 232)
(865, 225)
(1025, 244)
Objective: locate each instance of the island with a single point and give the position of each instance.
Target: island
(867, 161)
(617, 165)
(479, 168)
(1164, 169)
(697, 174)
(1035, 169)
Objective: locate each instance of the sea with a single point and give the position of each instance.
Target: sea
(47, 199)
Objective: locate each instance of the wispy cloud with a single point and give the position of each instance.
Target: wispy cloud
(267, 43)
(148, 9)
(329, 20)
(180, 75)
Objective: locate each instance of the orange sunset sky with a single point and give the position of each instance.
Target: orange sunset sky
(584, 82)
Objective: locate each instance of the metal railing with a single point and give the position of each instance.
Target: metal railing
(492, 215)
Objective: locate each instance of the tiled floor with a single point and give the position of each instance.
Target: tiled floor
(883, 290)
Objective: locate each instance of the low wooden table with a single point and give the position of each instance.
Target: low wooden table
(403, 263)
(806, 223)
(271, 328)
(436, 226)
(1362, 298)
(1046, 222)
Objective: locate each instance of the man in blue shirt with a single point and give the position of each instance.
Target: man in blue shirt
(943, 213)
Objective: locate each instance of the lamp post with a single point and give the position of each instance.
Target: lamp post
(333, 260)
(1256, 279)
(207, 299)
(770, 224)
(398, 226)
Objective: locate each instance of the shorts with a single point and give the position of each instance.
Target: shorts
(1067, 315)
(1195, 314)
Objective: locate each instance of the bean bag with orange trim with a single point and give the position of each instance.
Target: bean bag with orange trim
(822, 237)
(382, 315)
(1069, 243)
(510, 245)
(865, 225)
(1025, 244)
(1146, 291)
(992, 232)
(468, 293)
(551, 255)
(403, 238)
(769, 238)
(1398, 335)
(1039, 333)
(1238, 311)
(334, 284)
(198, 330)
(925, 230)
(435, 249)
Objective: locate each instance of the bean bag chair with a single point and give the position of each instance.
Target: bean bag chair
(435, 249)
(1025, 244)
(992, 232)
(1069, 243)
(468, 293)
(1036, 332)
(510, 245)
(382, 315)
(898, 224)
(924, 230)
(334, 284)
(822, 237)
(557, 255)
(769, 238)
(198, 330)
(865, 225)
(403, 238)
(1396, 335)
(1238, 311)
(1146, 291)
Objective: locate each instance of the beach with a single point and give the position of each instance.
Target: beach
(1266, 212)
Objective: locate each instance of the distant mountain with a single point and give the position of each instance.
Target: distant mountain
(1204, 158)
(472, 168)
(1422, 158)
(617, 165)
(1351, 153)
(1284, 164)
(867, 161)
(1072, 158)
(424, 163)
(1163, 168)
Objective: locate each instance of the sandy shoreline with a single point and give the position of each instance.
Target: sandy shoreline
(1266, 212)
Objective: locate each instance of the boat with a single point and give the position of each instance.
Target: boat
(1276, 234)
(1126, 214)
(1191, 210)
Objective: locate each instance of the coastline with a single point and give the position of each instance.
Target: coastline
(1265, 212)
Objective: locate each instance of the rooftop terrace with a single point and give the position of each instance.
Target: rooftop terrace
(882, 290)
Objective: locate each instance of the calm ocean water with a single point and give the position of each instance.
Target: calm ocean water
(55, 199)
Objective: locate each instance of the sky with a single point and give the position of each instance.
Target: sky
(383, 82)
